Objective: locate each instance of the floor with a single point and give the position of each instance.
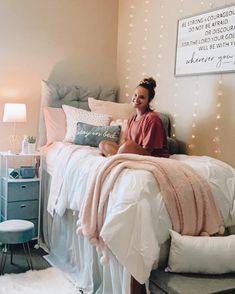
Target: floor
(19, 262)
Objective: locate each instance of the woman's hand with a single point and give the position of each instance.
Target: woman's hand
(130, 146)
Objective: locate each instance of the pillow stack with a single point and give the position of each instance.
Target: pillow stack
(55, 95)
(119, 112)
(75, 115)
(106, 120)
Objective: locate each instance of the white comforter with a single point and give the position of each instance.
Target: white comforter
(137, 222)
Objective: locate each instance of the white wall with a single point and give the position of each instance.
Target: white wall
(67, 41)
(146, 46)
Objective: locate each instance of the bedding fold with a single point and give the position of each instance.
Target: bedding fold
(187, 196)
(63, 158)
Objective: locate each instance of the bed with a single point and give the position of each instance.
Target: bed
(134, 223)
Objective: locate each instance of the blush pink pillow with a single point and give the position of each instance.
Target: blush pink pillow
(55, 122)
(113, 109)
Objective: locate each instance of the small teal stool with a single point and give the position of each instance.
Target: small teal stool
(16, 232)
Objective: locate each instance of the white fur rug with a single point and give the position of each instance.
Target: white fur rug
(48, 281)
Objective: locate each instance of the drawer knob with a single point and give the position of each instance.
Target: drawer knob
(22, 205)
(23, 186)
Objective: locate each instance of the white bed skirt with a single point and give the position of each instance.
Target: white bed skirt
(76, 256)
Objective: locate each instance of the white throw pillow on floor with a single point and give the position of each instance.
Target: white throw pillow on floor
(196, 254)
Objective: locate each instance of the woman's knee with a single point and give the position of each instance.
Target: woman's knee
(102, 144)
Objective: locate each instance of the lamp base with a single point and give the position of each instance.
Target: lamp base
(14, 144)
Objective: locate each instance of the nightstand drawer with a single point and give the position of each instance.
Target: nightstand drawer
(18, 191)
(22, 210)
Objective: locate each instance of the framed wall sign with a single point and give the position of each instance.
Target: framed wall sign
(206, 43)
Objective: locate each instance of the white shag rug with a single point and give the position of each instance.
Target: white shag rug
(48, 281)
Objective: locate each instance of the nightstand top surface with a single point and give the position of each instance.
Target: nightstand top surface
(9, 154)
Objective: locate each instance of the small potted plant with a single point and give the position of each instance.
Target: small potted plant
(31, 144)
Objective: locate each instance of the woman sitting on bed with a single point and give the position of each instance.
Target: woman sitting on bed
(145, 133)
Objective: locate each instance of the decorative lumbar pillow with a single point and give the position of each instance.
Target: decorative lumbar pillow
(195, 254)
(92, 135)
(74, 115)
(113, 109)
(55, 122)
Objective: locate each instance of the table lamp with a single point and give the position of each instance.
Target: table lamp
(14, 113)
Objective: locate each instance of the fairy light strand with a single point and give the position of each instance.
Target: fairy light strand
(211, 4)
(216, 138)
(175, 114)
(160, 50)
(145, 36)
(176, 88)
(193, 138)
(129, 50)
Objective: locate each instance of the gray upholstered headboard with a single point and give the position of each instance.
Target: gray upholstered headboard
(172, 144)
(55, 95)
(166, 122)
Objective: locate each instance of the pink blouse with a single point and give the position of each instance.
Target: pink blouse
(148, 131)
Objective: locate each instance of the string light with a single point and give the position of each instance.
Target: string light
(160, 50)
(192, 144)
(129, 51)
(181, 6)
(216, 139)
(211, 4)
(176, 85)
(145, 36)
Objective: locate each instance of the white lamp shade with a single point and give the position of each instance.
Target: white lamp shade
(14, 112)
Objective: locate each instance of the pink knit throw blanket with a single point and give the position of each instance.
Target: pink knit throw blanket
(187, 196)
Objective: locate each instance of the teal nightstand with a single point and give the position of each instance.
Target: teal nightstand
(20, 197)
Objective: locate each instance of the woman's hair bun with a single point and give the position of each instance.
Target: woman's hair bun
(149, 82)
(150, 85)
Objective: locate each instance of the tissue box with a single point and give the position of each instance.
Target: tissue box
(27, 172)
(13, 173)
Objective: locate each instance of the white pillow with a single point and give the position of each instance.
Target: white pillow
(209, 255)
(74, 115)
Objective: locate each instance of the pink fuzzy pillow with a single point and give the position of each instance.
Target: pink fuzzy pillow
(55, 122)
